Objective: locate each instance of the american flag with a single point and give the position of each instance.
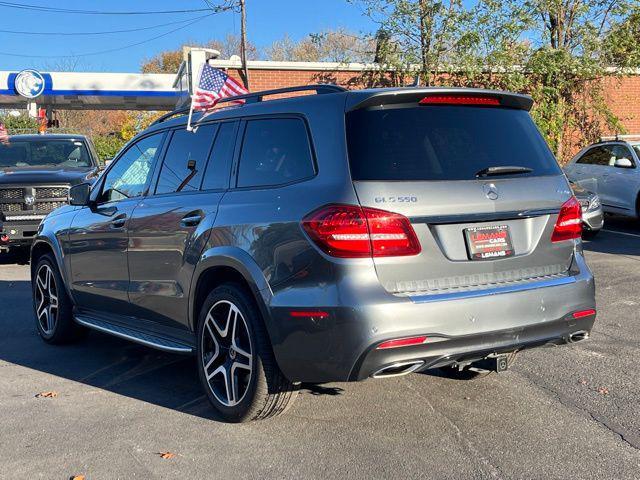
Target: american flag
(4, 135)
(214, 85)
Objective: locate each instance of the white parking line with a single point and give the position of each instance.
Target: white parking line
(637, 235)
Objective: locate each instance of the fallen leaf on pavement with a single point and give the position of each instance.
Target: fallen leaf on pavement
(77, 477)
(603, 390)
(167, 455)
(47, 394)
(583, 382)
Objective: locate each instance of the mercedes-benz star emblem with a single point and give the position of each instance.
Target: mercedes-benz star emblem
(29, 200)
(491, 191)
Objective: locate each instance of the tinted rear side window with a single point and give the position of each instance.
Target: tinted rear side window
(217, 173)
(443, 143)
(185, 146)
(275, 152)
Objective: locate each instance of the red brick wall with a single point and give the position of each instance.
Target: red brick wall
(623, 94)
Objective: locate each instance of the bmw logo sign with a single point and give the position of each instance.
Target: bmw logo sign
(29, 83)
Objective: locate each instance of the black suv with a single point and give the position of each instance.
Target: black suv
(320, 238)
(36, 172)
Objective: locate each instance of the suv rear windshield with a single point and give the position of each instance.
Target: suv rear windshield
(443, 143)
(44, 153)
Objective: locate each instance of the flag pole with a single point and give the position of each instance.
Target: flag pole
(189, 127)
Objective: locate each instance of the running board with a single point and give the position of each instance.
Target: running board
(134, 335)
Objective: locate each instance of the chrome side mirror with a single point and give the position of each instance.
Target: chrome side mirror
(623, 163)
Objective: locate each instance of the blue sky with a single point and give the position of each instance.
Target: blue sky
(267, 20)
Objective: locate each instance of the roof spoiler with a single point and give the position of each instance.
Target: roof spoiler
(415, 95)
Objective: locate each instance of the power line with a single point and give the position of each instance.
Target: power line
(21, 32)
(40, 8)
(111, 50)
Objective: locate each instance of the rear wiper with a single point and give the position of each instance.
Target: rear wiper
(506, 170)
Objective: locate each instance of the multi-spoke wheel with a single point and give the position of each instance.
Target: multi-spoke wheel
(235, 360)
(46, 299)
(51, 304)
(226, 353)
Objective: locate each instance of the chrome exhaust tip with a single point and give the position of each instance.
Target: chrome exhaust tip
(578, 336)
(399, 368)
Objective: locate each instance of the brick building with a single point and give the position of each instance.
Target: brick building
(622, 94)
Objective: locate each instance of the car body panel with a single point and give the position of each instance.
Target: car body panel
(163, 251)
(97, 250)
(444, 262)
(617, 187)
(257, 232)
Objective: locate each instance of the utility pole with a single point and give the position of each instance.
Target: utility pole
(243, 44)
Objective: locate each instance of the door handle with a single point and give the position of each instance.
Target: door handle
(119, 221)
(191, 220)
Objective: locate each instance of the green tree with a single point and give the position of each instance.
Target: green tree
(327, 46)
(20, 124)
(560, 51)
(169, 61)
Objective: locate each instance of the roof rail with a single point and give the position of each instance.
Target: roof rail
(255, 97)
(167, 116)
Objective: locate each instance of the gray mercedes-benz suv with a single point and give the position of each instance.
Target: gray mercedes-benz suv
(320, 238)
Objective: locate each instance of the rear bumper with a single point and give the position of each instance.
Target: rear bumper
(342, 345)
(593, 220)
(442, 351)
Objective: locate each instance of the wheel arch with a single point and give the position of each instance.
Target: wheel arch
(228, 264)
(42, 246)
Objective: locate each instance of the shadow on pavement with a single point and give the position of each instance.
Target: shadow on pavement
(15, 257)
(99, 360)
(608, 242)
(106, 362)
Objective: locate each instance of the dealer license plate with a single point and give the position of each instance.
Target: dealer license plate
(488, 243)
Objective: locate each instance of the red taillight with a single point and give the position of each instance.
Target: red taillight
(350, 231)
(583, 313)
(402, 342)
(460, 100)
(569, 223)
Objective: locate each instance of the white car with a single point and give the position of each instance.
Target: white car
(612, 170)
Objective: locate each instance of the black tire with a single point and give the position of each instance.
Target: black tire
(264, 392)
(468, 374)
(55, 325)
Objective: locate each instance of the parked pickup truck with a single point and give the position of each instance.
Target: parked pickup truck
(36, 172)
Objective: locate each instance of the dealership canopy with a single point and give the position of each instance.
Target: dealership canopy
(89, 91)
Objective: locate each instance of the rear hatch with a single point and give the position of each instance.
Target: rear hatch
(439, 159)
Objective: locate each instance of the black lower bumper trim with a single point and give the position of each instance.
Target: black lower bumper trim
(443, 351)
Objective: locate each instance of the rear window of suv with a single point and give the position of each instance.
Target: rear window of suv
(443, 143)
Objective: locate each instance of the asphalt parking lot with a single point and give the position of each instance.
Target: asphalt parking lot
(565, 412)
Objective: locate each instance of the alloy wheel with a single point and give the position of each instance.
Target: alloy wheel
(46, 297)
(226, 353)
